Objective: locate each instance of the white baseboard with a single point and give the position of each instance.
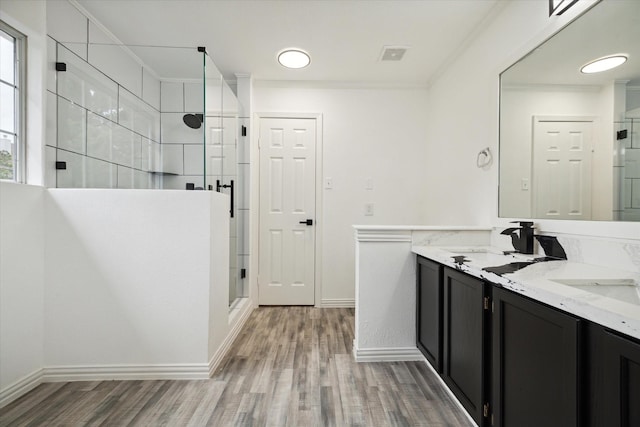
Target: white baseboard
(338, 303)
(20, 387)
(182, 371)
(398, 354)
(240, 319)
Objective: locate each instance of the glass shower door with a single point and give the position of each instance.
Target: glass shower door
(221, 153)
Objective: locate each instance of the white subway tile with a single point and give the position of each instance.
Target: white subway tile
(67, 25)
(137, 152)
(99, 174)
(175, 131)
(99, 137)
(151, 159)
(122, 146)
(172, 158)
(150, 89)
(214, 130)
(125, 177)
(142, 180)
(171, 97)
(84, 85)
(215, 160)
(626, 191)
(72, 131)
(229, 130)
(73, 175)
(118, 65)
(632, 163)
(51, 137)
(138, 116)
(193, 159)
(635, 193)
(193, 98)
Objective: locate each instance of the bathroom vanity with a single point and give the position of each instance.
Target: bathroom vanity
(513, 360)
(535, 346)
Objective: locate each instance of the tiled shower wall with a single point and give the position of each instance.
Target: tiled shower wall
(103, 118)
(629, 173)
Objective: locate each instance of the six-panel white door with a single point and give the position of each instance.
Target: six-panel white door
(562, 152)
(287, 200)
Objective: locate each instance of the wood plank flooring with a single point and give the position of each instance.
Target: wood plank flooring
(290, 366)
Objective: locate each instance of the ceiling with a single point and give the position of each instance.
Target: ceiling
(344, 37)
(610, 27)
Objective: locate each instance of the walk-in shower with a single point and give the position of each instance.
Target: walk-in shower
(121, 125)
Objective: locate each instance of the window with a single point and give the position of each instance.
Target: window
(12, 138)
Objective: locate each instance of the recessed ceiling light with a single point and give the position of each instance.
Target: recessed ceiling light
(293, 58)
(603, 64)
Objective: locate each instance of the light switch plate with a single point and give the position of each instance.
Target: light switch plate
(524, 184)
(368, 184)
(328, 183)
(368, 209)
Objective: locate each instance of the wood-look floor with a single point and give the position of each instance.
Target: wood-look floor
(290, 366)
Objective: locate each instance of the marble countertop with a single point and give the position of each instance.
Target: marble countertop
(538, 281)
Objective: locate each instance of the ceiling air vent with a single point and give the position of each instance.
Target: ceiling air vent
(393, 53)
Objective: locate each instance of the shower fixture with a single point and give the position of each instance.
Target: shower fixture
(194, 121)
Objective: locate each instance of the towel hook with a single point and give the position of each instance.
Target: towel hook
(485, 158)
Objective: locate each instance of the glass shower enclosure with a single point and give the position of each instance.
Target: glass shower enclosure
(143, 117)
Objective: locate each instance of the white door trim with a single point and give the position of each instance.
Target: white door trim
(319, 220)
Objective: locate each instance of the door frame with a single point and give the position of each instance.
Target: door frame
(318, 220)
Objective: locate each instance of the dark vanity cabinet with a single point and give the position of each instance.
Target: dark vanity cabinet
(535, 377)
(465, 340)
(613, 392)
(429, 311)
(514, 362)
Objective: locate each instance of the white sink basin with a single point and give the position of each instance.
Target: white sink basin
(625, 290)
(484, 254)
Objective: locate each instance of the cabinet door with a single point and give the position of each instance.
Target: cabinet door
(614, 379)
(464, 354)
(429, 311)
(535, 366)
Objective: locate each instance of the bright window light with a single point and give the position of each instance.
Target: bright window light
(293, 58)
(603, 64)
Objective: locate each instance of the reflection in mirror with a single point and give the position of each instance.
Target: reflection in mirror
(570, 141)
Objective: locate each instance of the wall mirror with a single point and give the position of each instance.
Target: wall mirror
(570, 141)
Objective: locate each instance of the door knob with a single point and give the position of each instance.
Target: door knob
(308, 222)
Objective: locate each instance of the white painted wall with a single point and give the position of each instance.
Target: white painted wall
(29, 17)
(368, 133)
(21, 284)
(128, 276)
(463, 117)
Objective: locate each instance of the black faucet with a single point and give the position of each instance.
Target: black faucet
(521, 237)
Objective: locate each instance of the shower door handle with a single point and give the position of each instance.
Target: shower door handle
(219, 186)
